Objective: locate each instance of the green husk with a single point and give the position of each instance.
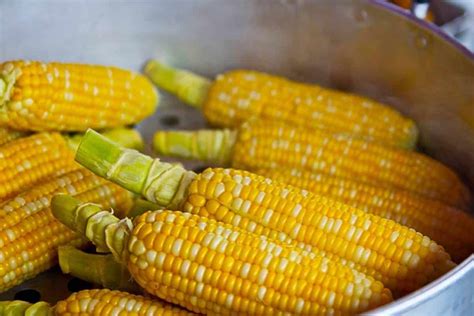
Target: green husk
(107, 232)
(126, 137)
(189, 87)
(213, 146)
(102, 270)
(159, 182)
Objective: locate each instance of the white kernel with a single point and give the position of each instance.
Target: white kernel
(237, 190)
(337, 225)
(406, 256)
(21, 201)
(220, 188)
(283, 264)
(233, 237)
(394, 236)
(244, 272)
(277, 250)
(267, 216)
(151, 255)
(261, 292)
(170, 218)
(252, 226)
(200, 273)
(296, 210)
(323, 221)
(262, 276)
(246, 206)
(236, 220)
(358, 234)
(365, 256)
(194, 251)
(215, 242)
(408, 243)
(414, 261)
(237, 203)
(358, 253)
(10, 234)
(185, 268)
(266, 261)
(299, 305)
(202, 225)
(260, 197)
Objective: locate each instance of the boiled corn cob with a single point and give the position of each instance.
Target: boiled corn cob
(211, 267)
(100, 269)
(102, 302)
(30, 235)
(29, 160)
(259, 144)
(401, 258)
(236, 96)
(450, 227)
(7, 135)
(71, 97)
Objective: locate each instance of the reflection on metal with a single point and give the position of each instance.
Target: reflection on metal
(359, 46)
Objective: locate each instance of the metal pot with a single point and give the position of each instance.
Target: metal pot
(368, 47)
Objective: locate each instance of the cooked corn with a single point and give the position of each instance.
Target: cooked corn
(7, 135)
(236, 96)
(448, 226)
(102, 302)
(212, 267)
(401, 258)
(260, 144)
(30, 235)
(29, 160)
(71, 97)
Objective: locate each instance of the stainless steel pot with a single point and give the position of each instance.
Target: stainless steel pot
(368, 47)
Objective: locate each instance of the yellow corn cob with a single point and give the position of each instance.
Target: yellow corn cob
(450, 227)
(236, 96)
(55, 96)
(212, 267)
(102, 302)
(259, 144)
(30, 235)
(401, 258)
(7, 135)
(29, 160)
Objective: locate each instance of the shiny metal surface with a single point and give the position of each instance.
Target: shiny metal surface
(359, 46)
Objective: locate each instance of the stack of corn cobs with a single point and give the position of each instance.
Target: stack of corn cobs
(326, 209)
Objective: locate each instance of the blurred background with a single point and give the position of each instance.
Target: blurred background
(455, 17)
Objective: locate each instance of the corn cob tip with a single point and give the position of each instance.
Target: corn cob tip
(187, 86)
